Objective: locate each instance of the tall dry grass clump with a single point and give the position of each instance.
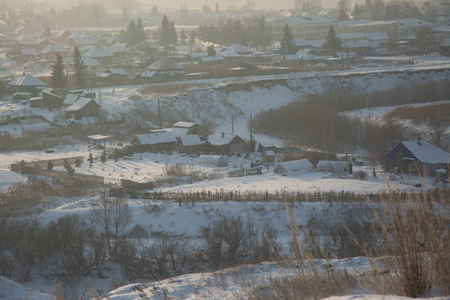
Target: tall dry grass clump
(411, 255)
(416, 232)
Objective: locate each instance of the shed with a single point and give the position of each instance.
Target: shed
(332, 166)
(216, 160)
(294, 166)
(268, 156)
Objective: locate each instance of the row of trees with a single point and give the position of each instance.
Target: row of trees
(58, 75)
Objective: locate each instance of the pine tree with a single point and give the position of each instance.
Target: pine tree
(164, 38)
(79, 68)
(130, 33)
(183, 37)
(173, 34)
(140, 33)
(287, 42)
(125, 17)
(50, 165)
(333, 42)
(58, 77)
(68, 167)
(154, 11)
(210, 50)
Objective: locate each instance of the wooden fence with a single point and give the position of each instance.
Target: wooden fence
(64, 175)
(221, 195)
(42, 164)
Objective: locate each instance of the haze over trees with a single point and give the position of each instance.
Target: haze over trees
(58, 77)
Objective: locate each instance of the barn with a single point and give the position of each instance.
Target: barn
(294, 166)
(83, 107)
(190, 143)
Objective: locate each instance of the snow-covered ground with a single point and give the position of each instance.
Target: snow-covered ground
(186, 220)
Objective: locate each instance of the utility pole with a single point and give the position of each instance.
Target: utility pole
(159, 115)
(232, 123)
(251, 129)
(100, 96)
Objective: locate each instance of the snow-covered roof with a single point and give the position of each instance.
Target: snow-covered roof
(293, 166)
(184, 124)
(269, 153)
(191, 140)
(291, 57)
(178, 132)
(165, 63)
(302, 20)
(117, 71)
(80, 103)
(221, 138)
(54, 48)
(239, 48)
(445, 43)
(212, 58)
(198, 54)
(427, 153)
(412, 22)
(361, 44)
(330, 166)
(155, 138)
(301, 42)
(148, 74)
(27, 80)
(84, 39)
(28, 51)
(97, 52)
(91, 62)
(71, 98)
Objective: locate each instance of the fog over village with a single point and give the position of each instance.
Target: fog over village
(291, 149)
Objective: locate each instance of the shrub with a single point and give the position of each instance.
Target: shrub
(362, 175)
(68, 167)
(50, 165)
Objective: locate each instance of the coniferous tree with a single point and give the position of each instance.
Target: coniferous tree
(58, 77)
(130, 33)
(183, 37)
(173, 34)
(154, 11)
(164, 38)
(333, 42)
(287, 42)
(90, 159)
(125, 17)
(79, 68)
(210, 50)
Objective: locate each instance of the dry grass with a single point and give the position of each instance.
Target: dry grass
(413, 258)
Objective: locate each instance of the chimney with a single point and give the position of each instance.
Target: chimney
(223, 134)
(419, 141)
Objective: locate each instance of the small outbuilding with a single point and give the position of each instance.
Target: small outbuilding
(216, 160)
(190, 143)
(227, 143)
(27, 83)
(332, 166)
(294, 166)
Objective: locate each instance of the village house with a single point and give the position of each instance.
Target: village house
(83, 107)
(416, 157)
(154, 142)
(186, 128)
(27, 83)
(223, 142)
(190, 143)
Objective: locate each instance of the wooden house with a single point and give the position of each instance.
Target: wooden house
(27, 83)
(154, 142)
(187, 128)
(83, 107)
(227, 143)
(416, 157)
(190, 143)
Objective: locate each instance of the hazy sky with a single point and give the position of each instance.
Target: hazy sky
(143, 5)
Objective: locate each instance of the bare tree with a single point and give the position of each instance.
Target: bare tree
(112, 216)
